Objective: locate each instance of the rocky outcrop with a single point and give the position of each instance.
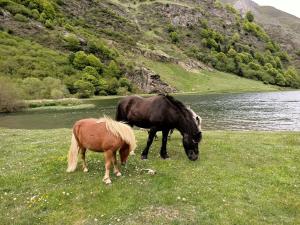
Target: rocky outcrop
(193, 65)
(148, 81)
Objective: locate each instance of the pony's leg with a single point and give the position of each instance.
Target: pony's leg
(84, 164)
(108, 155)
(163, 150)
(115, 163)
(152, 133)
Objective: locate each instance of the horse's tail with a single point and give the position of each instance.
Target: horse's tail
(119, 113)
(73, 154)
(121, 130)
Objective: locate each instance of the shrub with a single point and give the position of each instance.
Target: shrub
(84, 89)
(112, 70)
(49, 24)
(80, 60)
(174, 37)
(33, 88)
(10, 100)
(125, 83)
(93, 61)
(100, 48)
(91, 70)
(21, 18)
(122, 91)
(249, 16)
(72, 42)
(171, 28)
(51, 84)
(112, 86)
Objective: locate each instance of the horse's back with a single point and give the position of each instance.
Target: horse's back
(92, 134)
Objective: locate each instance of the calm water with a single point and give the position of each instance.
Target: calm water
(251, 111)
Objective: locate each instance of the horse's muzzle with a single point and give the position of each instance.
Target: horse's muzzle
(193, 157)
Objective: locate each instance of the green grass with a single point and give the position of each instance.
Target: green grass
(205, 81)
(241, 178)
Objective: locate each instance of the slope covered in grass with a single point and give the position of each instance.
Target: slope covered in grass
(205, 81)
(241, 178)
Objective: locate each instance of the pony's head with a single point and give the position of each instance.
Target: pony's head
(192, 138)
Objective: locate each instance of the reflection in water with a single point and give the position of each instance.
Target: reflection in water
(251, 111)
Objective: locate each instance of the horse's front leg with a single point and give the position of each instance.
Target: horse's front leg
(152, 133)
(163, 150)
(115, 163)
(108, 155)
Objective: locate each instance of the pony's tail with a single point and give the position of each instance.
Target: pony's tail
(73, 154)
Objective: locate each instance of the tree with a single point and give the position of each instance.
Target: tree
(112, 70)
(249, 16)
(9, 96)
(80, 60)
(84, 89)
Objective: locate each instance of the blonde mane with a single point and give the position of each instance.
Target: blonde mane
(195, 116)
(121, 130)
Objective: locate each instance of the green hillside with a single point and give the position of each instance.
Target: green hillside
(54, 48)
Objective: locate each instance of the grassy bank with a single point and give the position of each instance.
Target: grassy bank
(241, 178)
(205, 81)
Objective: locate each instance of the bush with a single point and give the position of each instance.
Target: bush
(33, 88)
(10, 100)
(174, 37)
(122, 91)
(84, 89)
(249, 16)
(49, 24)
(91, 70)
(112, 70)
(72, 42)
(21, 18)
(53, 88)
(125, 83)
(93, 61)
(80, 60)
(112, 86)
(100, 48)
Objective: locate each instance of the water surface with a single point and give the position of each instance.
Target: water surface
(276, 111)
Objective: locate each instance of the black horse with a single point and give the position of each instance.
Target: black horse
(161, 113)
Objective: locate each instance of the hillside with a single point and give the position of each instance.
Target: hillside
(282, 27)
(90, 47)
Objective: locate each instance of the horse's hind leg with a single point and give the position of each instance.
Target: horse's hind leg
(163, 150)
(152, 133)
(84, 164)
(115, 163)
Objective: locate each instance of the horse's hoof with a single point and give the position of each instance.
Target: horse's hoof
(165, 156)
(132, 153)
(85, 170)
(107, 180)
(144, 157)
(118, 174)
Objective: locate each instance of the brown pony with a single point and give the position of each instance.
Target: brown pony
(101, 135)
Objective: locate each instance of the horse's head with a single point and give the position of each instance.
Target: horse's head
(190, 144)
(191, 140)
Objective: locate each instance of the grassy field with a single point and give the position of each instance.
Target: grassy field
(205, 81)
(241, 178)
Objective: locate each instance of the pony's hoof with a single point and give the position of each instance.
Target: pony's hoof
(107, 180)
(118, 174)
(85, 170)
(144, 157)
(132, 153)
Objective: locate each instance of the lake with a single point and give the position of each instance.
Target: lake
(271, 111)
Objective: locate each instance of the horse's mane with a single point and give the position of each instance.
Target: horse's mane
(188, 115)
(178, 104)
(121, 130)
